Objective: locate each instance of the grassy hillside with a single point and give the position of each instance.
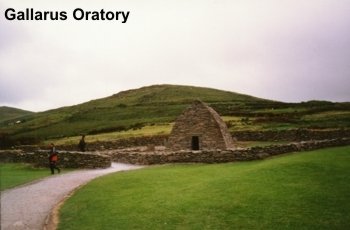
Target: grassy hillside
(297, 191)
(122, 111)
(10, 114)
(159, 105)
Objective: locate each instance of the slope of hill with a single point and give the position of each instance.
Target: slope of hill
(127, 109)
(168, 94)
(8, 113)
(158, 104)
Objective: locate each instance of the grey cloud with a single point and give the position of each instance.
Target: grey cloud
(289, 51)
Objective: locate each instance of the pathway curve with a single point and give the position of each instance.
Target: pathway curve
(27, 207)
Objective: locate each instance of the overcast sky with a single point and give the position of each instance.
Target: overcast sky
(286, 50)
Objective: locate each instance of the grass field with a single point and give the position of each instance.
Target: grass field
(148, 130)
(14, 174)
(307, 190)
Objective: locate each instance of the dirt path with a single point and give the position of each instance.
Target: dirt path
(27, 207)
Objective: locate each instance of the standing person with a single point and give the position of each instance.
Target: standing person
(53, 158)
(82, 143)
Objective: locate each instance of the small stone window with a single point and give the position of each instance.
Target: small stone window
(195, 143)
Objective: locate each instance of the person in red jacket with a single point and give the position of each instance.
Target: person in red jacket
(53, 158)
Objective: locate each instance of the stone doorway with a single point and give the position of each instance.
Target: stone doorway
(195, 143)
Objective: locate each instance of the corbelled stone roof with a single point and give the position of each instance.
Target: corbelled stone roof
(201, 122)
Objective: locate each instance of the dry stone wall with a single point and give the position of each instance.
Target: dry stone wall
(155, 140)
(290, 135)
(158, 140)
(104, 158)
(218, 156)
(161, 140)
(66, 159)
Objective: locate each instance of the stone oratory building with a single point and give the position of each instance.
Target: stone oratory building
(200, 127)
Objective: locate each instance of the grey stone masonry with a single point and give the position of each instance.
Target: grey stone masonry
(65, 159)
(165, 156)
(199, 127)
(220, 156)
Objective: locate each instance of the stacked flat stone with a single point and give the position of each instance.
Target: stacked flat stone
(203, 122)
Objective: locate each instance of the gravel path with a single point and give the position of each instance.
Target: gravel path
(28, 206)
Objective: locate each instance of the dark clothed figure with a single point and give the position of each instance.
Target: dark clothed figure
(82, 144)
(53, 158)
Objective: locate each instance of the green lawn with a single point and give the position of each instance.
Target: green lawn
(13, 174)
(307, 190)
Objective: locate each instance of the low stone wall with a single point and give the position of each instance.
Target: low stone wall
(134, 156)
(66, 159)
(120, 143)
(158, 140)
(247, 154)
(283, 135)
(290, 135)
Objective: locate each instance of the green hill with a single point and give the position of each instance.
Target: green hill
(127, 109)
(8, 113)
(161, 104)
